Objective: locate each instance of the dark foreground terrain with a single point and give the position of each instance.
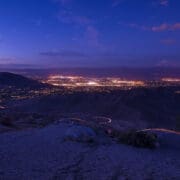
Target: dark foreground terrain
(46, 154)
(139, 108)
(50, 133)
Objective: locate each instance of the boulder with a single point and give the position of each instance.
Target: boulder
(80, 134)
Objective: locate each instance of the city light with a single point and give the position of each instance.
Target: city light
(79, 81)
(177, 80)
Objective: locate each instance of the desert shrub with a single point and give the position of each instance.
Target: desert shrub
(142, 139)
(139, 139)
(7, 121)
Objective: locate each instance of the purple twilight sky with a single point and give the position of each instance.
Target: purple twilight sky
(89, 33)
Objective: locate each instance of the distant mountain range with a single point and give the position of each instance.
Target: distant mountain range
(131, 73)
(18, 81)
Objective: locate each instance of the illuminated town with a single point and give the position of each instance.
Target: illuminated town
(79, 81)
(95, 83)
(173, 80)
(60, 84)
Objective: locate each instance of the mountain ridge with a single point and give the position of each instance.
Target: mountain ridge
(18, 81)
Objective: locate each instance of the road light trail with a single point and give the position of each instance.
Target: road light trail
(107, 120)
(99, 119)
(74, 119)
(161, 130)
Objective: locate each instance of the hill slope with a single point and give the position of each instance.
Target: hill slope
(18, 81)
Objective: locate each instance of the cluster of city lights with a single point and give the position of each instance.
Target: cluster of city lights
(2, 107)
(79, 81)
(175, 80)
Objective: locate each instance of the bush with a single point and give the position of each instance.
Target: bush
(142, 139)
(6, 121)
(139, 139)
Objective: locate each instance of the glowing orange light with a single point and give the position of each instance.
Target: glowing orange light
(78, 81)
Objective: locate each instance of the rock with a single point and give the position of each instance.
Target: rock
(80, 134)
(140, 139)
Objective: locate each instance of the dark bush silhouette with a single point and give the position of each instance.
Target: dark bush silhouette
(7, 121)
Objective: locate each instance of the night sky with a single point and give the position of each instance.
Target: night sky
(90, 33)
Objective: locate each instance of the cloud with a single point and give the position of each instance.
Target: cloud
(15, 62)
(162, 27)
(168, 62)
(116, 3)
(63, 54)
(168, 41)
(166, 27)
(164, 2)
(6, 60)
(63, 2)
(18, 66)
(92, 36)
(68, 18)
(159, 28)
(137, 26)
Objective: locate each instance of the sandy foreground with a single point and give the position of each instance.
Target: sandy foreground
(44, 154)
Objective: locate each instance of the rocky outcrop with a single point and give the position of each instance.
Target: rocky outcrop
(80, 134)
